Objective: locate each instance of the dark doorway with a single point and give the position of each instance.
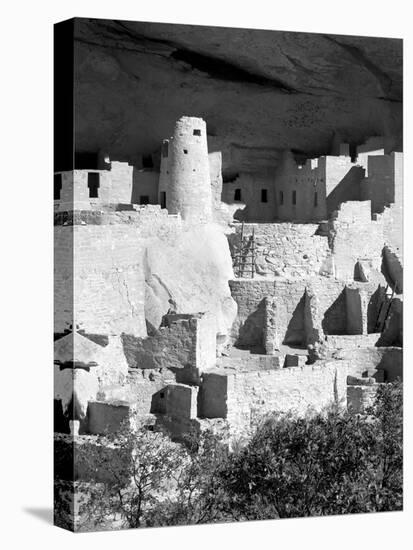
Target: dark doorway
(264, 195)
(163, 199)
(57, 186)
(93, 183)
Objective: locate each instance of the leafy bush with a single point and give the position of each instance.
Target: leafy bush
(331, 463)
(325, 464)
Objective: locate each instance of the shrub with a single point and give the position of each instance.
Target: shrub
(325, 464)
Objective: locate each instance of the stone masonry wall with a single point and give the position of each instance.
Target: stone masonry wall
(241, 396)
(296, 322)
(354, 236)
(115, 186)
(185, 346)
(252, 208)
(286, 249)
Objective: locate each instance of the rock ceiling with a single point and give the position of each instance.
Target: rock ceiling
(259, 91)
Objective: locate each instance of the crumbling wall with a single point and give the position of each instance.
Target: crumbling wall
(271, 312)
(241, 396)
(186, 346)
(384, 364)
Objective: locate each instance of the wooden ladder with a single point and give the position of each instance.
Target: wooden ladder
(247, 250)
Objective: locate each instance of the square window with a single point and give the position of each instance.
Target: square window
(197, 132)
(185, 151)
(147, 161)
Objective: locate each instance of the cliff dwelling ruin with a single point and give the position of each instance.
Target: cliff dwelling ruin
(231, 259)
(207, 300)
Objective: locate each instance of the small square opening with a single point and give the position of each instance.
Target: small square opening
(197, 132)
(185, 151)
(147, 161)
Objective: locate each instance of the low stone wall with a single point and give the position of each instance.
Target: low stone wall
(241, 396)
(350, 341)
(384, 364)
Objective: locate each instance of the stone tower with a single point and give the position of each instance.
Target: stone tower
(189, 188)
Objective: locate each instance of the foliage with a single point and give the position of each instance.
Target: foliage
(200, 496)
(137, 474)
(330, 463)
(325, 464)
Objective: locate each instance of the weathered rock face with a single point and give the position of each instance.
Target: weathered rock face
(190, 275)
(259, 91)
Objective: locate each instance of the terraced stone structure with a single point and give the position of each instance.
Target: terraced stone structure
(190, 300)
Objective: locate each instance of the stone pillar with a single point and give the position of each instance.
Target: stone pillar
(271, 336)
